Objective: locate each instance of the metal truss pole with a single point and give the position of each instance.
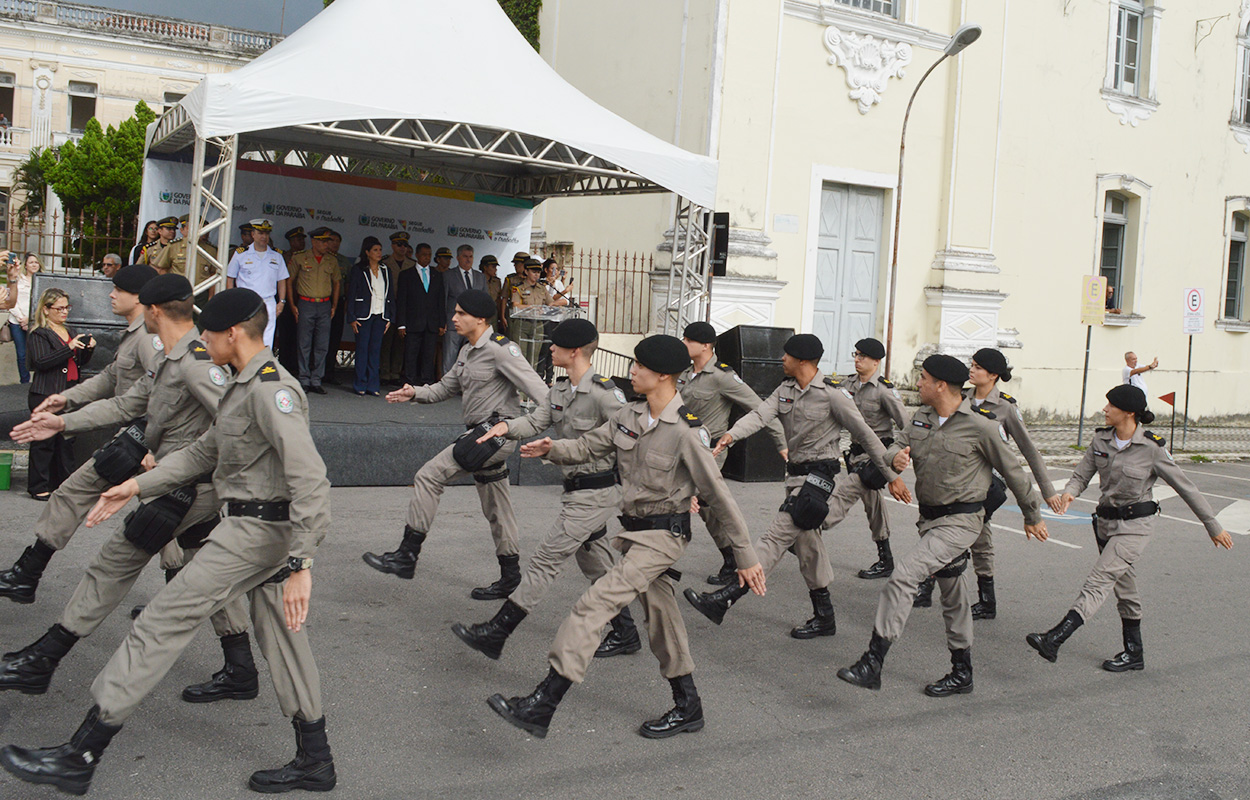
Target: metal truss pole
(212, 189)
(687, 297)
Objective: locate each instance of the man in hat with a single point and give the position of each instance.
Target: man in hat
(420, 314)
(953, 447)
(398, 262)
(813, 409)
(455, 281)
(268, 472)
(315, 279)
(167, 228)
(510, 284)
(529, 332)
(487, 373)
(489, 266)
(174, 257)
(665, 458)
(245, 238)
(579, 402)
(442, 259)
(262, 269)
(296, 243)
(340, 310)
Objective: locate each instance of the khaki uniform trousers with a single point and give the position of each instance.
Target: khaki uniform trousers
(849, 490)
(941, 541)
(983, 553)
(582, 514)
(240, 556)
(441, 470)
(814, 563)
(640, 573)
(1113, 571)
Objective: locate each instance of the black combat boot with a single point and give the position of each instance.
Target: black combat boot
(30, 669)
(686, 715)
(623, 639)
(713, 605)
(402, 561)
(1047, 644)
(509, 579)
(489, 637)
(235, 681)
(867, 671)
(823, 622)
(1131, 658)
(959, 680)
(986, 606)
(533, 713)
(884, 567)
(312, 768)
(924, 594)
(19, 582)
(169, 576)
(728, 570)
(68, 767)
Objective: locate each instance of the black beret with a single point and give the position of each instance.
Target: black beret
(992, 362)
(804, 346)
(1128, 398)
(664, 354)
(871, 348)
(229, 308)
(574, 333)
(477, 303)
(946, 368)
(164, 288)
(132, 278)
(700, 332)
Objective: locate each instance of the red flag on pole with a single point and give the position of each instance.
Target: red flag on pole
(1169, 398)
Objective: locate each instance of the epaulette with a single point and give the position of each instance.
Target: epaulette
(984, 413)
(602, 381)
(1156, 438)
(1104, 429)
(1007, 397)
(886, 382)
(269, 372)
(240, 249)
(690, 417)
(831, 381)
(500, 339)
(723, 367)
(197, 349)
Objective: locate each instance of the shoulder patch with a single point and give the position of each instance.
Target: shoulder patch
(198, 350)
(239, 250)
(500, 339)
(1156, 438)
(831, 381)
(597, 378)
(269, 372)
(887, 382)
(217, 375)
(705, 437)
(284, 401)
(514, 350)
(157, 344)
(721, 365)
(1002, 433)
(984, 413)
(690, 417)
(619, 395)
(1007, 397)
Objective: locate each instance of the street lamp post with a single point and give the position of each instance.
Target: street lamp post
(963, 37)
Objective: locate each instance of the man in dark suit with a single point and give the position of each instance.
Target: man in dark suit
(459, 279)
(419, 311)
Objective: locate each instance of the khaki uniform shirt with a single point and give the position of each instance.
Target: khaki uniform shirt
(526, 295)
(662, 467)
(1128, 476)
(137, 355)
(879, 403)
(571, 411)
(1004, 407)
(712, 393)
(313, 278)
(397, 266)
(172, 258)
(487, 375)
(494, 287)
(954, 460)
(153, 252)
(345, 266)
(260, 449)
(813, 419)
(179, 400)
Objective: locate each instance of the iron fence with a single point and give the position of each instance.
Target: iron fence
(613, 287)
(70, 245)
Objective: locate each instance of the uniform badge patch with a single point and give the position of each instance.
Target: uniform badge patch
(1002, 434)
(284, 401)
(848, 394)
(737, 377)
(897, 396)
(217, 375)
(157, 344)
(514, 350)
(705, 437)
(626, 431)
(619, 395)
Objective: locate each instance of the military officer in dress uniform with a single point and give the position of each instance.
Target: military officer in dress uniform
(168, 228)
(315, 279)
(489, 266)
(340, 310)
(510, 284)
(174, 259)
(488, 373)
(1128, 459)
(813, 410)
(262, 269)
(529, 332)
(954, 446)
(245, 238)
(398, 262)
(579, 402)
(273, 481)
(180, 401)
(665, 458)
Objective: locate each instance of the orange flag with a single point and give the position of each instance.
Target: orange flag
(1169, 398)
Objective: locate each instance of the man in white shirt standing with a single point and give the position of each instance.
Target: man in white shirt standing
(263, 270)
(1132, 374)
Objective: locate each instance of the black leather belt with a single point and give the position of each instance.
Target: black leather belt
(829, 467)
(857, 449)
(936, 512)
(1146, 508)
(595, 480)
(269, 511)
(492, 420)
(676, 524)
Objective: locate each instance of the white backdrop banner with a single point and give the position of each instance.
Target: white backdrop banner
(353, 205)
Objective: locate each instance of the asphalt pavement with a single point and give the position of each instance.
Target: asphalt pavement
(405, 699)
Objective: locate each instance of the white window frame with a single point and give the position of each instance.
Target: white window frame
(1120, 220)
(1239, 119)
(1235, 208)
(1136, 103)
(1136, 193)
(868, 7)
(79, 89)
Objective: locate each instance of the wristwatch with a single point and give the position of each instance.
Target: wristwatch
(297, 564)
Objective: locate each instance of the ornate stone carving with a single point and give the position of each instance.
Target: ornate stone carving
(86, 51)
(868, 62)
(1243, 139)
(1130, 110)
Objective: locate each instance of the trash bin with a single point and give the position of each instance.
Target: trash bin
(754, 351)
(6, 471)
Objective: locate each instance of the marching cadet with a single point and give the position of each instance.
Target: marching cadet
(268, 472)
(315, 284)
(167, 228)
(262, 269)
(179, 401)
(1128, 459)
(989, 366)
(397, 262)
(488, 373)
(665, 458)
(813, 410)
(711, 389)
(953, 446)
(578, 403)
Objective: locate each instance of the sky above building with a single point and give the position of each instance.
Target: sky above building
(270, 16)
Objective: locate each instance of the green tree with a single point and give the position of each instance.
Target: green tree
(30, 177)
(523, 13)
